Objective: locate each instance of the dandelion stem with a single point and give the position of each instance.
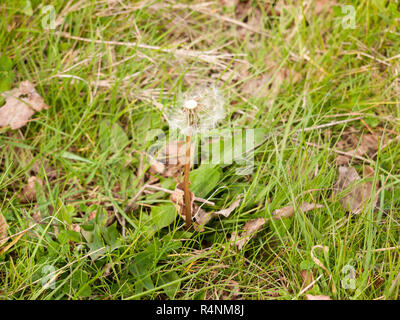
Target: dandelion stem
(188, 202)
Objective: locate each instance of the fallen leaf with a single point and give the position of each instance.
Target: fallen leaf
(199, 216)
(249, 229)
(36, 215)
(21, 104)
(3, 227)
(356, 195)
(75, 227)
(288, 211)
(319, 297)
(308, 278)
(352, 144)
(170, 159)
(226, 212)
(178, 199)
(29, 191)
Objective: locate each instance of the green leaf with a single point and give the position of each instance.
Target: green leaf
(111, 234)
(162, 216)
(172, 288)
(27, 9)
(79, 282)
(141, 267)
(73, 156)
(4, 84)
(67, 212)
(5, 63)
(66, 235)
(112, 138)
(204, 179)
(307, 264)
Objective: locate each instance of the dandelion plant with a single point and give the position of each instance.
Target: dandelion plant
(196, 112)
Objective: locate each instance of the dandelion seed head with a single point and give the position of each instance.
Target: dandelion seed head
(190, 104)
(197, 111)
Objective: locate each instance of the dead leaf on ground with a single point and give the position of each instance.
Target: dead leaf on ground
(21, 104)
(249, 229)
(288, 211)
(199, 216)
(3, 227)
(351, 143)
(319, 297)
(226, 212)
(308, 278)
(253, 226)
(170, 159)
(355, 196)
(29, 191)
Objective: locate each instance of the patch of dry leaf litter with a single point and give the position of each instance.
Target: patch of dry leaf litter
(253, 226)
(21, 104)
(356, 146)
(170, 159)
(200, 216)
(353, 191)
(29, 191)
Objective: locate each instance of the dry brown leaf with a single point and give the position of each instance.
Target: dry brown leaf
(288, 211)
(200, 217)
(319, 297)
(3, 227)
(178, 199)
(249, 229)
(356, 195)
(170, 159)
(351, 143)
(29, 191)
(75, 227)
(308, 278)
(226, 212)
(21, 104)
(228, 3)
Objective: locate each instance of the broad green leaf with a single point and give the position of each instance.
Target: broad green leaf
(67, 212)
(204, 179)
(112, 138)
(66, 235)
(111, 234)
(172, 288)
(162, 216)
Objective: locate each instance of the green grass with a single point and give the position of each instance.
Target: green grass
(107, 70)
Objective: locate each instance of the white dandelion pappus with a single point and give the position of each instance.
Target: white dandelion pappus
(197, 111)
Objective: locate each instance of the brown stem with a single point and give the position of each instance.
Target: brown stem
(186, 190)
